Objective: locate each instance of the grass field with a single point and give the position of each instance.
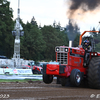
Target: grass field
(18, 80)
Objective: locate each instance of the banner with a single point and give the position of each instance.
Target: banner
(15, 71)
(1, 71)
(23, 71)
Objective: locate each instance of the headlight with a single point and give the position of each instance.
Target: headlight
(57, 49)
(95, 54)
(66, 49)
(91, 54)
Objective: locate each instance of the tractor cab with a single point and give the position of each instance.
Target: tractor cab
(91, 52)
(90, 43)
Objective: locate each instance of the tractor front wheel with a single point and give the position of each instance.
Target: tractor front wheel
(75, 77)
(47, 78)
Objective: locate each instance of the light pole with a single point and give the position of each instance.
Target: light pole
(17, 33)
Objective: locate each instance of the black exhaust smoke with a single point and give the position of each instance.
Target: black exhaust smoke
(72, 30)
(83, 5)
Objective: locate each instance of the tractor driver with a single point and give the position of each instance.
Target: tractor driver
(87, 49)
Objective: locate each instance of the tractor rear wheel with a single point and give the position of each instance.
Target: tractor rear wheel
(75, 77)
(94, 73)
(47, 78)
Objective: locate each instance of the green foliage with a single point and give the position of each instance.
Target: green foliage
(94, 34)
(6, 26)
(96, 39)
(32, 44)
(52, 37)
(97, 42)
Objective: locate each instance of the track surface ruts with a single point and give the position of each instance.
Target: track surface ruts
(38, 90)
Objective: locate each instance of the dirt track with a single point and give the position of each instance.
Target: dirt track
(41, 91)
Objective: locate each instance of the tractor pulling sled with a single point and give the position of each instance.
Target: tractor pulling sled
(70, 64)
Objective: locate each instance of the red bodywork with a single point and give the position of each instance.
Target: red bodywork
(73, 58)
(37, 68)
(72, 62)
(26, 67)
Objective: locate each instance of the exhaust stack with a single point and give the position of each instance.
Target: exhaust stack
(70, 43)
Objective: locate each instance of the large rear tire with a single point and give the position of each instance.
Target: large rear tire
(94, 73)
(75, 77)
(47, 78)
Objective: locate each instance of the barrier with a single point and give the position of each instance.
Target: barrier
(1, 71)
(15, 71)
(23, 71)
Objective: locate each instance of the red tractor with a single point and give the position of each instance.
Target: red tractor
(70, 65)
